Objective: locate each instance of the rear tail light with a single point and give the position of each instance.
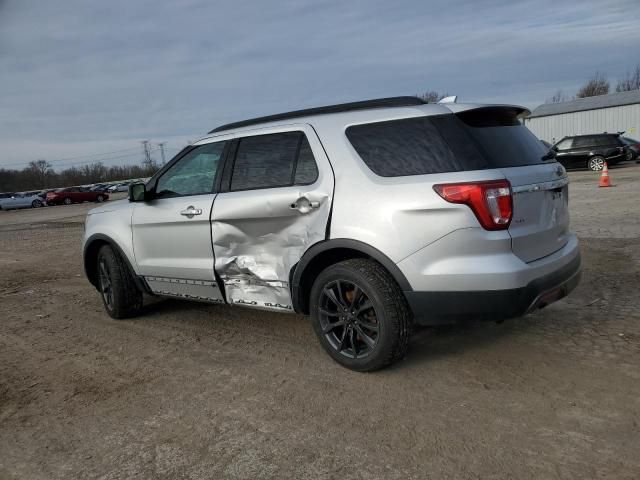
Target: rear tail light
(491, 202)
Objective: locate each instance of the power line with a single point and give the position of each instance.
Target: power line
(161, 145)
(65, 161)
(147, 154)
(76, 157)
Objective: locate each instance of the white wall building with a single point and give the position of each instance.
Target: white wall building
(616, 112)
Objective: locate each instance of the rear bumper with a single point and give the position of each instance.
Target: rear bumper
(438, 308)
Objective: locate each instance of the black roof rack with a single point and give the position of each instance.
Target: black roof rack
(342, 107)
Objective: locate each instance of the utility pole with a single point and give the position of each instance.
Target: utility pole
(147, 154)
(161, 145)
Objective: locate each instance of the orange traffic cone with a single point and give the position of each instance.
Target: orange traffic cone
(605, 181)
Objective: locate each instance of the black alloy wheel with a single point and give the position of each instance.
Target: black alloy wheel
(360, 315)
(106, 285)
(348, 319)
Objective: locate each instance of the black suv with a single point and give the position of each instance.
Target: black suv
(591, 151)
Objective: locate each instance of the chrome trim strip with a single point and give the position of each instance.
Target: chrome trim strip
(536, 187)
(183, 281)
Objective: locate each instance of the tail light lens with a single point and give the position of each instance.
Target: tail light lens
(491, 202)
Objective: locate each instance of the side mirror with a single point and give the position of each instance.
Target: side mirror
(137, 192)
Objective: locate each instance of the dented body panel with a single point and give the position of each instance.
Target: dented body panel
(259, 235)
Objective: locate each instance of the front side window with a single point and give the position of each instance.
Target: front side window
(193, 174)
(273, 160)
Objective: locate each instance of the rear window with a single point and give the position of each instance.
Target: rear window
(475, 140)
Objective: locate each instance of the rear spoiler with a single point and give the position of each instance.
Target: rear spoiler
(519, 111)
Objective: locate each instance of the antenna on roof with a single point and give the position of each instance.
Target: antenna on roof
(450, 99)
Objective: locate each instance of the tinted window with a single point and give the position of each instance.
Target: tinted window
(445, 143)
(565, 144)
(268, 161)
(502, 140)
(587, 141)
(306, 169)
(193, 174)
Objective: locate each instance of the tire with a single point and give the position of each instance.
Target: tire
(36, 204)
(67, 201)
(379, 331)
(120, 296)
(596, 163)
(99, 199)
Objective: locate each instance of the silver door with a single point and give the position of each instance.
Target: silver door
(172, 232)
(261, 230)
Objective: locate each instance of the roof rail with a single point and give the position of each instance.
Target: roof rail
(342, 107)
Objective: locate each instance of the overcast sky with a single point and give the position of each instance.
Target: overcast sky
(81, 78)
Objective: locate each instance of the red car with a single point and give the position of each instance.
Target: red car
(75, 195)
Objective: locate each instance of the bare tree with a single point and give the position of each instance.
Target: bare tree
(42, 167)
(596, 85)
(37, 172)
(558, 97)
(431, 96)
(630, 82)
(32, 177)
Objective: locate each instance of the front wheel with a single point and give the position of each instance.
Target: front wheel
(100, 199)
(596, 164)
(67, 201)
(120, 296)
(360, 315)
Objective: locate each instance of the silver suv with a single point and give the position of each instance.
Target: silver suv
(369, 217)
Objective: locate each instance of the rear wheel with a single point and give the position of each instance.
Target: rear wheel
(36, 204)
(67, 201)
(595, 164)
(360, 315)
(100, 199)
(120, 296)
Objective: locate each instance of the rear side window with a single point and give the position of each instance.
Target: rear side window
(275, 160)
(306, 169)
(485, 138)
(584, 142)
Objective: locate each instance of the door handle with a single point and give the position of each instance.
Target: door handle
(304, 205)
(191, 211)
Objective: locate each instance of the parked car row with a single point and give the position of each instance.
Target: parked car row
(9, 201)
(71, 195)
(592, 151)
(98, 192)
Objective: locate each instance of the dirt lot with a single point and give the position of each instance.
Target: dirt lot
(196, 391)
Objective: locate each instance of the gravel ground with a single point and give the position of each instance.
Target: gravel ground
(195, 391)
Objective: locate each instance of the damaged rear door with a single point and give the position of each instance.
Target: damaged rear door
(274, 204)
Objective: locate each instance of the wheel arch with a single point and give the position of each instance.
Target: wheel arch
(329, 252)
(90, 256)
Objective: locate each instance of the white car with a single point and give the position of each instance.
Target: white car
(22, 200)
(122, 187)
